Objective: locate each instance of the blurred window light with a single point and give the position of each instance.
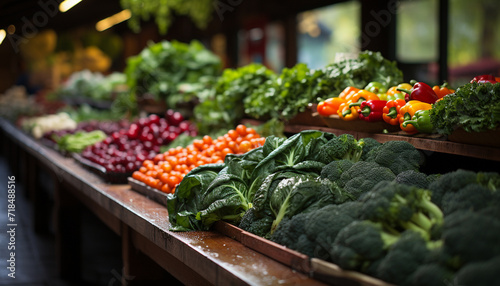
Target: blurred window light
(2, 35)
(68, 4)
(109, 22)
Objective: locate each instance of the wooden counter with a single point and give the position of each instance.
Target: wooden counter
(194, 258)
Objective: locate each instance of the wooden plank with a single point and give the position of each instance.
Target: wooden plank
(333, 274)
(287, 256)
(422, 142)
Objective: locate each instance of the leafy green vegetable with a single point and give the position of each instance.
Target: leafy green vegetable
(284, 96)
(475, 107)
(78, 141)
(172, 71)
(223, 108)
(369, 66)
(183, 206)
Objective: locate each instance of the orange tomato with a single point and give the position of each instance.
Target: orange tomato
(207, 140)
(241, 129)
(233, 134)
(173, 181)
(245, 146)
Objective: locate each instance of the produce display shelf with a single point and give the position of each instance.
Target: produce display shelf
(195, 258)
(427, 142)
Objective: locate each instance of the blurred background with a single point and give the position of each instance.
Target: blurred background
(432, 40)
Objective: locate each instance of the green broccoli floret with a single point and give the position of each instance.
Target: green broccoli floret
(257, 225)
(398, 156)
(367, 144)
(414, 178)
(433, 274)
(401, 207)
(334, 170)
(470, 237)
(454, 181)
(471, 197)
(341, 147)
(306, 232)
(359, 244)
(404, 257)
(336, 217)
(363, 176)
(291, 233)
(484, 273)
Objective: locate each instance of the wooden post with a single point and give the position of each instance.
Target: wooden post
(138, 268)
(67, 222)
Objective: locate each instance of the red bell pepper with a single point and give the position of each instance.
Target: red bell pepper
(484, 79)
(372, 110)
(421, 92)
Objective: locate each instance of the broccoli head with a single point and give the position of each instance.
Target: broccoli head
(470, 197)
(470, 237)
(341, 147)
(334, 169)
(335, 217)
(404, 257)
(484, 273)
(398, 156)
(399, 207)
(291, 233)
(363, 176)
(367, 144)
(414, 178)
(359, 244)
(432, 274)
(257, 225)
(454, 181)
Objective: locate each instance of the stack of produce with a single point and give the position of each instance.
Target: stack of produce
(474, 107)
(421, 108)
(40, 125)
(126, 149)
(265, 95)
(172, 72)
(15, 102)
(357, 203)
(167, 170)
(95, 86)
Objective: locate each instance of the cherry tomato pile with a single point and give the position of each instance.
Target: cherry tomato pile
(166, 170)
(125, 150)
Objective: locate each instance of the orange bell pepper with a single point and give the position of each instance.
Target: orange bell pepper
(407, 112)
(360, 96)
(348, 92)
(390, 113)
(330, 106)
(442, 90)
(347, 113)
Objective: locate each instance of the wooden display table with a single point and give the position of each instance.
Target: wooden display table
(194, 258)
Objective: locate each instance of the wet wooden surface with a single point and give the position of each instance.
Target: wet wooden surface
(195, 258)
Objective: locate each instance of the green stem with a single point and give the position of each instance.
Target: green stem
(392, 112)
(404, 90)
(366, 111)
(346, 112)
(412, 122)
(356, 103)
